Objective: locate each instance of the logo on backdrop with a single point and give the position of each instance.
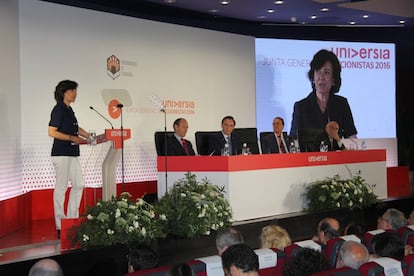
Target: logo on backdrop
(113, 67)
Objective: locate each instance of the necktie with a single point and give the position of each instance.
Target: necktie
(185, 146)
(281, 145)
(229, 143)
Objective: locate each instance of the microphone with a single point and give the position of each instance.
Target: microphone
(102, 116)
(120, 105)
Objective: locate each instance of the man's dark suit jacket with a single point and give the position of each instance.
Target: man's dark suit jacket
(270, 143)
(325, 138)
(175, 148)
(217, 142)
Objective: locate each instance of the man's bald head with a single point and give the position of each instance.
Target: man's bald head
(46, 267)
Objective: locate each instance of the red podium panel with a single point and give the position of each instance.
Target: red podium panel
(117, 135)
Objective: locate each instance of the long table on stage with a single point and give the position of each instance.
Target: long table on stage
(273, 184)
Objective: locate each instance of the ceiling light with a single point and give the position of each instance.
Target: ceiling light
(169, 1)
(324, 9)
(280, 2)
(352, 22)
(313, 17)
(213, 11)
(365, 16)
(270, 10)
(224, 2)
(402, 21)
(261, 17)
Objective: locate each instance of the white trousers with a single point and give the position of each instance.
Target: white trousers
(67, 168)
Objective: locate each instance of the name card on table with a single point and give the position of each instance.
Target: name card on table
(214, 266)
(391, 267)
(267, 257)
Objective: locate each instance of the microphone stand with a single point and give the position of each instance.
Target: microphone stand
(122, 151)
(166, 150)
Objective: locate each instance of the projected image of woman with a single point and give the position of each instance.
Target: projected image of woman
(322, 105)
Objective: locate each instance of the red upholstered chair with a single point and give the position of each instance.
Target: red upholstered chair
(198, 267)
(409, 262)
(333, 245)
(374, 268)
(368, 237)
(343, 271)
(371, 269)
(407, 235)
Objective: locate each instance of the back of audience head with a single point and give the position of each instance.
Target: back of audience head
(388, 244)
(327, 229)
(411, 218)
(227, 237)
(352, 254)
(240, 259)
(46, 267)
(392, 219)
(274, 236)
(182, 269)
(306, 262)
(141, 258)
(356, 229)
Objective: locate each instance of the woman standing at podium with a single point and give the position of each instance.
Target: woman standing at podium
(63, 127)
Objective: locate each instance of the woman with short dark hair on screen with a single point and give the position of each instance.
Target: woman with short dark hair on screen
(322, 105)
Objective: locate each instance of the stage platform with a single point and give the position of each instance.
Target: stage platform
(19, 250)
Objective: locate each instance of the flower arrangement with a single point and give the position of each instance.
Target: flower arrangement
(335, 193)
(195, 208)
(121, 221)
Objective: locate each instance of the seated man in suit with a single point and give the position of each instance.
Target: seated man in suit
(278, 142)
(218, 141)
(176, 144)
(330, 137)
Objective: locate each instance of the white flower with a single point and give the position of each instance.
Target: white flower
(163, 217)
(130, 229)
(89, 217)
(85, 237)
(117, 213)
(143, 231)
(350, 203)
(136, 224)
(140, 202)
(207, 232)
(183, 195)
(110, 232)
(338, 204)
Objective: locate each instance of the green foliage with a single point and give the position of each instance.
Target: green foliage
(195, 208)
(334, 193)
(120, 221)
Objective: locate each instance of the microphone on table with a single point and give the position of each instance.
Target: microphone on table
(120, 105)
(102, 116)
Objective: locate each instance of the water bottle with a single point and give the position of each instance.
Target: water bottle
(363, 145)
(245, 149)
(292, 147)
(323, 147)
(225, 151)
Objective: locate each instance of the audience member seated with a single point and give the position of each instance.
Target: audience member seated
(356, 229)
(274, 236)
(182, 269)
(240, 259)
(227, 237)
(330, 137)
(327, 228)
(176, 144)
(46, 267)
(141, 258)
(305, 262)
(388, 244)
(392, 219)
(411, 218)
(352, 254)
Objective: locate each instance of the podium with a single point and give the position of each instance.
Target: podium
(111, 160)
(273, 184)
